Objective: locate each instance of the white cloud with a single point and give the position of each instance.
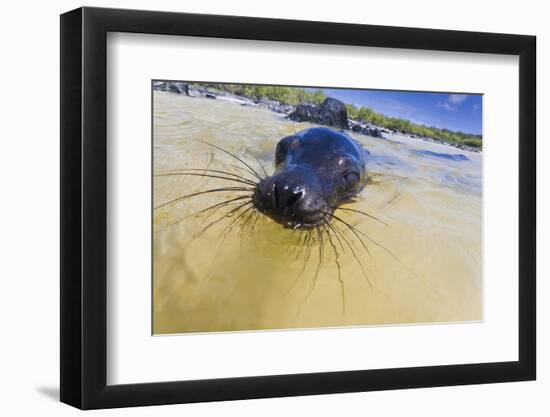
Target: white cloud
(446, 106)
(453, 102)
(457, 98)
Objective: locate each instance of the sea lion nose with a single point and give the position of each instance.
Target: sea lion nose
(285, 196)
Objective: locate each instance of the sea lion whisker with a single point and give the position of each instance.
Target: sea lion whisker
(257, 215)
(252, 215)
(307, 242)
(316, 275)
(262, 166)
(213, 209)
(240, 168)
(214, 190)
(220, 243)
(196, 174)
(321, 256)
(353, 230)
(290, 249)
(243, 225)
(295, 246)
(352, 251)
(219, 171)
(337, 237)
(224, 216)
(301, 246)
(363, 213)
(356, 231)
(253, 225)
(216, 171)
(222, 204)
(252, 170)
(374, 242)
(229, 227)
(337, 261)
(298, 246)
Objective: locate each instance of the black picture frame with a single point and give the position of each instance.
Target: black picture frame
(84, 207)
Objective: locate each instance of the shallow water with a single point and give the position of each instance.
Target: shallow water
(424, 267)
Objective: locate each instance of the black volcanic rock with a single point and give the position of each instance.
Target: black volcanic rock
(176, 87)
(373, 131)
(331, 112)
(366, 129)
(305, 112)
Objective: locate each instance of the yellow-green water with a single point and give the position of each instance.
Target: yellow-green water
(251, 278)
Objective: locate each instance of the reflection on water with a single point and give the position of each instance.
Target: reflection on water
(234, 278)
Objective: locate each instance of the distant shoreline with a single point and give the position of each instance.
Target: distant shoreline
(356, 125)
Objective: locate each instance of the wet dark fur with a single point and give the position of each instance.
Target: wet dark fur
(316, 170)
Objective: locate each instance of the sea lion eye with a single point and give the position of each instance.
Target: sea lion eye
(352, 180)
(281, 152)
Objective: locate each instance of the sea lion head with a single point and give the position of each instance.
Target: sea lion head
(316, 170)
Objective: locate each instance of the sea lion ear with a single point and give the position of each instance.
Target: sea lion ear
(282, 149)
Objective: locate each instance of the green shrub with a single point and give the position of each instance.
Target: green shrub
(296, 95)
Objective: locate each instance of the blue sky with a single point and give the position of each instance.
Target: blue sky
(452, 111)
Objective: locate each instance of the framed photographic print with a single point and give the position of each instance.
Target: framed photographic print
(257, 208)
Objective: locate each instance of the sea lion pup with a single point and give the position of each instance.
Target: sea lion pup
(316, 170)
